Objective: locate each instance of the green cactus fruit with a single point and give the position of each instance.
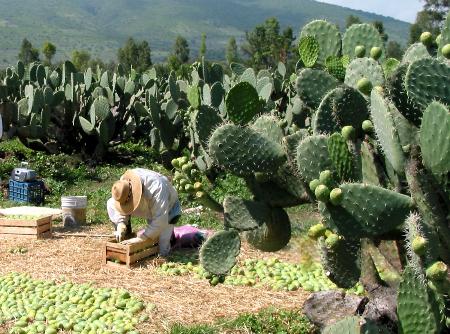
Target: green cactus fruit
(437, 271)
(183, 160)
(175, 163)
(214, 280)
(184, 182)
(314, 184)
(189, 188)
(242, 103)
(367, 126)
(364, 86)
(348, 132)
(446, 51)
(360, 51)
(187, 167)
(198, 186)
(419, 245)
(218, 254)
(376, 52)
(332, 241)
(426, 38)
(360, 34)
(316, 231)
(326, 177)
(322, 193)
(336, 196)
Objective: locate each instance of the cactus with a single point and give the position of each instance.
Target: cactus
(360, 34)
(366, 68)
(309, 50)
(242, 103)
(313, 84)
(327, 37)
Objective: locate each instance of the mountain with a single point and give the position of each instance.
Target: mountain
(102, 26)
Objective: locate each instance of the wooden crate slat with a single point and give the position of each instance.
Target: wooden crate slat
(44, 228)
(17, 222)
(142, 245)
(145, 253)
(18, 230)
(114, 255)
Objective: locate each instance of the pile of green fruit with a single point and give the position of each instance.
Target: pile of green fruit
(21, 217)
(276, 274)
(39, 306)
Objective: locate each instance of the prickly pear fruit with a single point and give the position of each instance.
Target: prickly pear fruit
(175, 163)
(367, 126)
(360, 51)
(189, 188)
(187, 167)
(331, 241)
(375, 52)
(200, 194)
(437, 271)
(419, 245)
(446, 51)
(314, 184)
(336, 196)
(198, 186)
(364, 86)
(316, 231)
(183, 160)
(438, 39)
(426, 38)
(326, 177)
(322, 193)
(348, 132)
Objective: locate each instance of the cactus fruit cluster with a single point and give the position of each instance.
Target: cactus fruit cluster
(371, 147)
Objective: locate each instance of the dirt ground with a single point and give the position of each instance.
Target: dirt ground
(172, 299)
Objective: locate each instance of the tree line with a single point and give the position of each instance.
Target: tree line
(264, 46)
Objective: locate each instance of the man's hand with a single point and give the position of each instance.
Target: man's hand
(132, 241)
(120, 232)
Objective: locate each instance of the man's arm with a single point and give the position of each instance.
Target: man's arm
(119, 220)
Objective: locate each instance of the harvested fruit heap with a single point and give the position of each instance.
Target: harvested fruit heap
(364, 136)
(21, 217)
(39, 306)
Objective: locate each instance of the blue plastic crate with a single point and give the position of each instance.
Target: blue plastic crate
(26, 192)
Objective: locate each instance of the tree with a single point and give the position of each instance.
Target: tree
(429, 19)
(135, 54)
(202, 50)
(351, 20)
(265, 46)
(49, 50)
(394, 50)
(231, 53)
(27, 52)
(81, 58)
(181, 50)
(380, 27)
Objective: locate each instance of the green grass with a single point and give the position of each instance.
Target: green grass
(264, 322)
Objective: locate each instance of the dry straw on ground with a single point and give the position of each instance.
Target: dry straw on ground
(171, 299)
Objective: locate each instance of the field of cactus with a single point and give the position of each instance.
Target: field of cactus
(365, 137)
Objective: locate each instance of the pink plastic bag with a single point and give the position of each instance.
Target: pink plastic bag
(188, 236)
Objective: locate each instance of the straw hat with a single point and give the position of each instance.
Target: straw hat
(127, 192)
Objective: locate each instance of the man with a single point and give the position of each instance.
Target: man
(146, 194)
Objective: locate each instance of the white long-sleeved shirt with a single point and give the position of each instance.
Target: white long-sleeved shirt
(159, 203)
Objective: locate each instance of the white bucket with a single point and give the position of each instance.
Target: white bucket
(73, 210)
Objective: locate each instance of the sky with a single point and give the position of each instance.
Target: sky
(404, 10)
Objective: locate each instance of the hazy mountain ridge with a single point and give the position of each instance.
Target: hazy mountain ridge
(101, 26)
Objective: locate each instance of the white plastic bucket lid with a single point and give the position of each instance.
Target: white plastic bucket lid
(73, 201)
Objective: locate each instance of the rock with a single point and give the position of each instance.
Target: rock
(326, 307)
(382, 307)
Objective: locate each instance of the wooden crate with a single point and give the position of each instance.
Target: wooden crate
(34, 228)
(127, 254)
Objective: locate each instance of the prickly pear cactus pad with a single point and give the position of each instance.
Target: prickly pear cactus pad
(327, 36)
(206, 119)
(341, 261)
(364, 68)
(369, 165)
(242, 103)
(361, 34)
(274, 234)
(313, 157)
(268, 126)
(312, 85)
(347, 325)
(243, 151)
(340, 107)
(415, 52)
(308, 48)
(434, 138)
(290, 144)
(396, 88)
(366, 211)
(335, 66)
(244, 215)
(340, 156)
(428, 80)
(445, 35)
(218, 254)
(386, 132)
(417, 309)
